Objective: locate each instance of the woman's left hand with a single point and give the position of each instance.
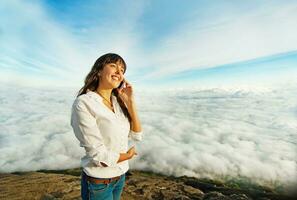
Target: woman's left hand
(126, 93)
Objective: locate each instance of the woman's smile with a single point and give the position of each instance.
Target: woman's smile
(114, 77)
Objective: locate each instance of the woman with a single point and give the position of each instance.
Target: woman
(103, 118)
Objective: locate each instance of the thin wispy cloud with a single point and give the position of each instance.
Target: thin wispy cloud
(56, 43)
(38, 49)
(256, 33)
(35, 47)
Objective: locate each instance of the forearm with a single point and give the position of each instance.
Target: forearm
(135, 122)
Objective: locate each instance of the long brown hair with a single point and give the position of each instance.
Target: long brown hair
(92, 79)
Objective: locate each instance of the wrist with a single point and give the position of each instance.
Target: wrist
(131, 104)
(128, 156)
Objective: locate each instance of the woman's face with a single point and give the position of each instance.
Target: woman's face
(112, 75)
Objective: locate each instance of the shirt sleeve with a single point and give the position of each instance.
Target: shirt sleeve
(136, 136)
(87, 132)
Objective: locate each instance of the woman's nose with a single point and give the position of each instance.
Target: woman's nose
(118, 70)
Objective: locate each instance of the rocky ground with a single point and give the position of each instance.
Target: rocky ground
(140, 185)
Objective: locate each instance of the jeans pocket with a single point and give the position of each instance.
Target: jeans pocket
(97, 187)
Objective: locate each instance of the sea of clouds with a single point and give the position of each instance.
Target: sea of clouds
(216, 133)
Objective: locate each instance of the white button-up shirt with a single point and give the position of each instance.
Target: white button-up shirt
(103, 134)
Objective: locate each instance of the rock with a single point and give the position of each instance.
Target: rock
(194, 193)
(139, 191)
(168, 194)
(139, 185)
(239, 197)
(182, 197)
(48, 197)
(215, 196)
(37, 185)
(156, 196)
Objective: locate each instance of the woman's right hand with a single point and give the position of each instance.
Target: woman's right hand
(131, 152)
(128, 155)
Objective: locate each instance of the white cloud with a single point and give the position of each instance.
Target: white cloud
(201, 133)
(264, 31)
(38, 49)
(35, 47)
(35, 130)
(220, 133)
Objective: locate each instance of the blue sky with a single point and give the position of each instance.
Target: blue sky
(165, 43)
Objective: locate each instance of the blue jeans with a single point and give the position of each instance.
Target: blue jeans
(101, 191)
